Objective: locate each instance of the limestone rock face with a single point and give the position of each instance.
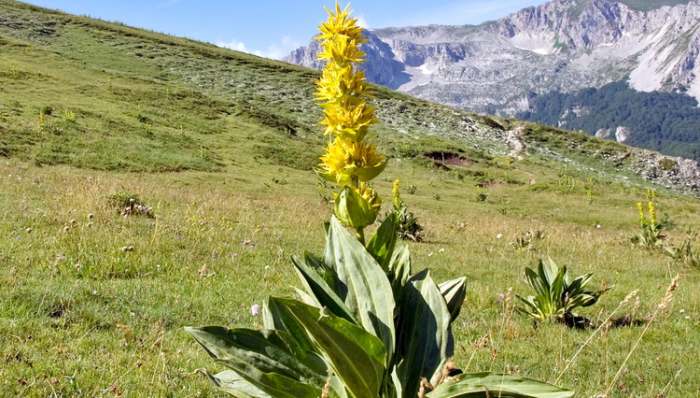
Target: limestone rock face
(622, 134)
(563, 45)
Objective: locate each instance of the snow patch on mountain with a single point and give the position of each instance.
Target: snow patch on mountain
(562, 45)
(542, 43)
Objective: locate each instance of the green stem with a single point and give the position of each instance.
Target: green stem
(361, 235)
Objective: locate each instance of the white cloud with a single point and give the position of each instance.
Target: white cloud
(233, 45)
(362, 22)
(277, 50)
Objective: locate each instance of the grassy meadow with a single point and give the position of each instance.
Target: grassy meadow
(221, 146)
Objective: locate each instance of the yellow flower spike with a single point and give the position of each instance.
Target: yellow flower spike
(641, 212)
(396, 193)
(347, 117)
(342, 88)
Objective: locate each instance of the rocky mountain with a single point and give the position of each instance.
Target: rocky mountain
(563, 46)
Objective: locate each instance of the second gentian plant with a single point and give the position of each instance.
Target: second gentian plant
(363, 324)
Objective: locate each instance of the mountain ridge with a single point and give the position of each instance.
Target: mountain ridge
(549, 41)
(236, 89)
(564, 46)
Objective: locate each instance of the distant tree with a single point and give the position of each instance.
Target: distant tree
(667, 122)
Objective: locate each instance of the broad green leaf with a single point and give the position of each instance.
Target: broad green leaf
(357, 357)
(558, 287)
(382, 244)
(367, 291)
(454, 292)
(316, 286)
(530, 308)
(488, 385)
(548, 270)
(396, 382)
(294, 335)
(327, 273)
(235, 385)
(304, 298)
(261, 358)
(423, 327)
(399, 269)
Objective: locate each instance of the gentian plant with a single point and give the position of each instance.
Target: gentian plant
(364, 325)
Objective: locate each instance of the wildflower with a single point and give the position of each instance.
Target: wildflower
(641, 213)
(349, 161)
(255, 310)
(348, 120)
(340, 23)
(396, 194)
(345, 162)
(651, 207)
(340, 84)
(357, 207)
(342, 50)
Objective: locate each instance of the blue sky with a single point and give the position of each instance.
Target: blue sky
(274, 27)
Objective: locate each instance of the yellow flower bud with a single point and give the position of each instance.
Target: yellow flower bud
(357, 208)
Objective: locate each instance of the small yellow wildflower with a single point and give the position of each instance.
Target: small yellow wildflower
(340, 23)
(396, 193)
(642, 218)
(352, 122)
(341, 85)
(345, 162)
(370, 196)
(341, 50)
(652, 213)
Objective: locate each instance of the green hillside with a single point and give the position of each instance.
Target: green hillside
(221, 145)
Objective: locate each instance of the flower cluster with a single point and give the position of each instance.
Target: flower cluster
(349, 160)
(649, 219)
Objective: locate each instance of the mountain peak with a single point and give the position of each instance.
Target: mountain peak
(560, 46)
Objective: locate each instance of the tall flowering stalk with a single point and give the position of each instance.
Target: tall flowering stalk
(349, 160)
(649, 219)
(650, 235)
(364, 324)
